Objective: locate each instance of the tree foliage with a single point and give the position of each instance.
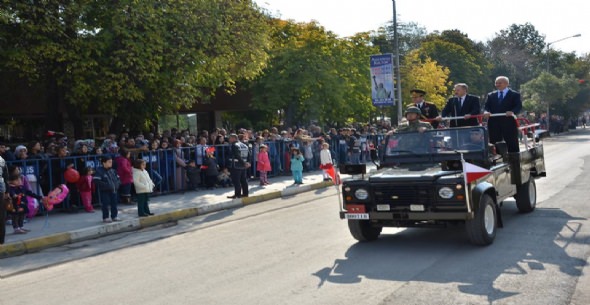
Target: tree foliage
(547, 90)
(314, 76)
(137, 60)
(133, 59)
(464, 58)
(410, 36)
(426, 74)
(516, 52)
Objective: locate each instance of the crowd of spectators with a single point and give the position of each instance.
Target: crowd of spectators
(176, 160)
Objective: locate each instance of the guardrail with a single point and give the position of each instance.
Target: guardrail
(45, 174)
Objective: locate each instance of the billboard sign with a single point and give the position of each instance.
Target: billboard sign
(382, 80)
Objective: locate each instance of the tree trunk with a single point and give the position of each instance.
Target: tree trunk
(290, 115)
(117, 125)
(74, 115)
(54, 119)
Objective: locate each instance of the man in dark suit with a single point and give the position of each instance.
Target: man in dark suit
(503, 100)
(429, 110)
(462, 104)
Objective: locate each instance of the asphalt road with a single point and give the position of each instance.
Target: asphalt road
(297, 251)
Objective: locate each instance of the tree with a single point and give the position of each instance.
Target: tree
(463, 66)
(516, 52)
(131, 59)
(464, 58)
(426, 74)
(550, 92)
(45, 44)
(410, 37)
(314, 76)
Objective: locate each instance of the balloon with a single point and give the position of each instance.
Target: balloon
(71, 175)
(56, 196)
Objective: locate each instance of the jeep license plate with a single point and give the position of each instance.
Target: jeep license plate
(357, 216)
(416, 208)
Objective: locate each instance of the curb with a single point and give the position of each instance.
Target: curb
(64, 238)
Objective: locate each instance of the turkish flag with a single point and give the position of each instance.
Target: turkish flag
(474, 172)
(331, 171)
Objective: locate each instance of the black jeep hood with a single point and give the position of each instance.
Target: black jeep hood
(410, 173)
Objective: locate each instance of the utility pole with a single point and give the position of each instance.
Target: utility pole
(548, 117)
(397, 75)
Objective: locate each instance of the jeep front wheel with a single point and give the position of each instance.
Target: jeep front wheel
(482, 228)
(362, 230)
(526, 196)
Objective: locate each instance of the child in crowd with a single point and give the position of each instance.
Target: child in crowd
(143, 187)
(263, 165)
(297, 165)
(125, 173)
(18, 194)
(32, 202)
(212, 169)
(326, 161)
(193, 175)
(107, 183)
(223, 178)
(86, 187)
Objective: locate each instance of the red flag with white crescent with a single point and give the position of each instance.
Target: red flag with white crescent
(473, 172)
(331, 171)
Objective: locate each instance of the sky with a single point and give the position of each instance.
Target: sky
(479, 19)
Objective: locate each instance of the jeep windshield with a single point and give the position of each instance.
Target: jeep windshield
(435, 145)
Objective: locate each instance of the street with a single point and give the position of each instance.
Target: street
(297, 251)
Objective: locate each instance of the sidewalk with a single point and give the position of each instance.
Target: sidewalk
(58, 228)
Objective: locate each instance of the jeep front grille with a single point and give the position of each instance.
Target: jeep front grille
(403, 194)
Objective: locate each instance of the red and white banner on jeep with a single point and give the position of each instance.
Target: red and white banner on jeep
(473, 172)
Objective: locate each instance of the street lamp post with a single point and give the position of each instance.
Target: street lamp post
(398, 79)
(548, 118)
(549, 48)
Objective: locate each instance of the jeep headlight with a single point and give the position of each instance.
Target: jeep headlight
(446, 192)
(361, 194)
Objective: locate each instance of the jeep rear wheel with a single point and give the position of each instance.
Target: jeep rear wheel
(362, 230)
(526, 196)
(482, 229)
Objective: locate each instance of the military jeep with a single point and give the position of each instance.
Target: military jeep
(437, 178)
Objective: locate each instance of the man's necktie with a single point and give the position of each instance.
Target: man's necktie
(501, 97)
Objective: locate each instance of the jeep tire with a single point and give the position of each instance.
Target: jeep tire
(482, 228)
(362, 230)
(526, 196)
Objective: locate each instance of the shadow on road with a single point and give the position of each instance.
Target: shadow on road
(445, 256)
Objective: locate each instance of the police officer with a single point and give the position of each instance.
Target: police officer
(412, 114)
(238, 164)
(3, 197)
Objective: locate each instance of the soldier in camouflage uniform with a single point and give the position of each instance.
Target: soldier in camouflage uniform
(412, 114)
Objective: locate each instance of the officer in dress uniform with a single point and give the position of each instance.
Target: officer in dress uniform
(238, 164)
(427, 110)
